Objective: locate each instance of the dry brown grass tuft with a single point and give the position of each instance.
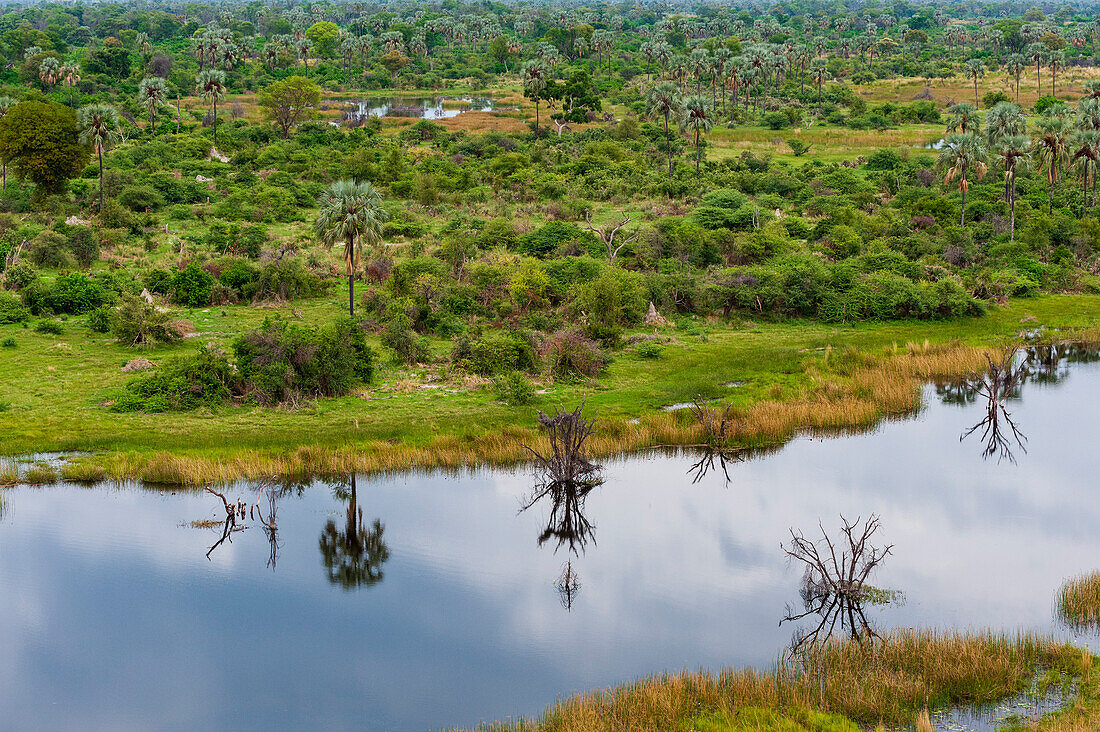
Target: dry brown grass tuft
(885, 683)
(1079, 601)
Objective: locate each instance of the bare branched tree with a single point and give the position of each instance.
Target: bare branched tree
(566, 462)
(568, 585)
(833, 585)
(608, 235)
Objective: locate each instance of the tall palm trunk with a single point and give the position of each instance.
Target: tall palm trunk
(99, 152)
(962, 188)
(215, 105)
(351, 276)
(668, 145)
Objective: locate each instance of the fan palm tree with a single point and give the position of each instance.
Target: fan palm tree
(535, 79)
(974, 69)
(1051, 149)
(1086, 153)
(98, 128)
(964, 119)
(70, 77)
(49, 71)
(351, 213)
(1056, 60)
(211, 87)
(819, 69)
(1036, 53)
(664, 100)
(961, 154)
(1013, 151)
(152, 93)
(1015, 65)
(698, 118)
(1003, 120)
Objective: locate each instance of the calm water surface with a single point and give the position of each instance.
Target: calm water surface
(113, 616)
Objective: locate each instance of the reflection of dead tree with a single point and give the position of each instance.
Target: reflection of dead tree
(567, 522)
(566, 462)
(709, 457)
(236, 513)
(833, 585)
(568, 585)
(1002, 381)
(271, 527)
(716, 425)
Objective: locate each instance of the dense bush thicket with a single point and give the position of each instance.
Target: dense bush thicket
(279, 363)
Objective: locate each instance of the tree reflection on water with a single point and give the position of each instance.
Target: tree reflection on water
(353, 554)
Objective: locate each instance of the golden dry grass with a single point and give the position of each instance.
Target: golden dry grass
(849, 390)
(885, 683)
(1079, 601)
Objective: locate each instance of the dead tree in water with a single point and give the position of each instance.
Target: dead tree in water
(566, 461)
(833, 586)
(716, 425)
(1002, 381)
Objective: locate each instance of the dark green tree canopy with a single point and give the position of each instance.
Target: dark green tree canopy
(41, 139)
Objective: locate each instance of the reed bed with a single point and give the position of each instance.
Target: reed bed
(1078, 603)
(846, 391)
(887, 683)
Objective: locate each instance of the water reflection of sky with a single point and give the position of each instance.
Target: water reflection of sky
(113, 617)
(420, 107)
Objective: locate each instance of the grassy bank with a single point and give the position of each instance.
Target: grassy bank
(787, 376)
(889, 683)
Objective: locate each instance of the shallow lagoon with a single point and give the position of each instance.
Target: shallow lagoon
(113, 616)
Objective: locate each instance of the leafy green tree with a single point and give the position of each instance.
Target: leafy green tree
(819, 69)
(290, 102)
(42, 140)
(664, 100)
(6, 103)
(1086, 153)
(324, 35)
(698, 118)
(1004, 120)
(211, 87)
(99, 128)
(961, 154)
(153, 94)
(351, 213)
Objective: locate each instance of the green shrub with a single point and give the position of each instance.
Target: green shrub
(83, 245)
(282, 363)
(138, 323)
(51, 327)
(495, 354)
(649, 350)
(407, 347)
(76, 294)
(287, 279)
(191, 286)
(99, 320)
(49, 249)
(515, 389)
(20, 274)
(11, 309)
(141, 198)
(568, 353)
(205, 379)
(8, 342)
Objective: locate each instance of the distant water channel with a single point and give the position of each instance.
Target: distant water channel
(426, 600)
(416, 107)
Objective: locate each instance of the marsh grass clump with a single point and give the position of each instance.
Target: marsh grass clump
(39, 474)
(1078, 604)
(889, 683)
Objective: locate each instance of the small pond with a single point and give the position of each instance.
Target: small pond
(416, 107)
(130, 606)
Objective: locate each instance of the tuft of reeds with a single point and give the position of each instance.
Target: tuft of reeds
(924, 722)
(886, 683)
(1078, 603)
(39, 475)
